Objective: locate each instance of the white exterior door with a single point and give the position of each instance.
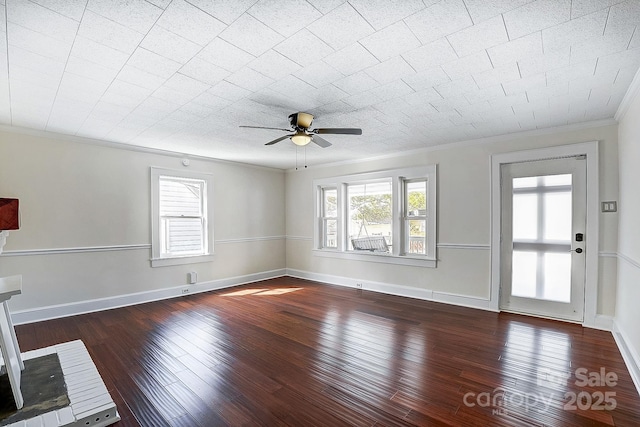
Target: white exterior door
(543, 238)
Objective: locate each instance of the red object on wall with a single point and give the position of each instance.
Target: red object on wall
(9, 214)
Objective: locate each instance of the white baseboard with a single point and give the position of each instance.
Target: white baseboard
(398, 290)
(600, 321)
(90, 306)
(629, 354)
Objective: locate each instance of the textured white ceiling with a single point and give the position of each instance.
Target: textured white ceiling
(183, 75)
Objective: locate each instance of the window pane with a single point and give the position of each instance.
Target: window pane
(417, 235)
(555, 180)
(330, 202)
(330, 233)
(523, 280)
(525, 216)
(557, 277)
(557, 216)
(416, 203)
(182, 236)
(526, 182)
(370, 214)
(180, 197)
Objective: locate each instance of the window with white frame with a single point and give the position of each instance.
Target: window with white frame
(329, 217)
(387, 216)
(414, 216)
(181, 217)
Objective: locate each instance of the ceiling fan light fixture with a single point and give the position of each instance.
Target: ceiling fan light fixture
(301, 139)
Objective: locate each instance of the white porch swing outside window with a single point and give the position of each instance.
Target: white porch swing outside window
(370, 216)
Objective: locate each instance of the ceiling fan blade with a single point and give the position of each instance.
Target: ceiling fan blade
(278, 139)
(339, 131)
(262, 127)
(320, 141)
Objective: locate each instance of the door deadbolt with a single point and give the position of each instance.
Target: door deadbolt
(579, 237)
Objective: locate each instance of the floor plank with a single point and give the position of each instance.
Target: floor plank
(290, 352)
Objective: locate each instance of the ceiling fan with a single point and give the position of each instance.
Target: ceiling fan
(300, 123)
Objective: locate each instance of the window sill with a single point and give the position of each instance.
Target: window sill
(378, 258)
(165, 262)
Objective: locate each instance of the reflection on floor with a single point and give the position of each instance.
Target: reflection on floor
(294, 352)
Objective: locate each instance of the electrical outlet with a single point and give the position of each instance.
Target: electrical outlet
(185, 291)
(192, 278)
(359, 285)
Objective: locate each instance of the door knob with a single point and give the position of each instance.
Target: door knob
(578, 250)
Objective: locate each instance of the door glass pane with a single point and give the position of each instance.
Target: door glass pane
(523, 279)
(557, 277)
(555, 180)
(525, 216)
(542, 219)
(525, 182)
(557, 216)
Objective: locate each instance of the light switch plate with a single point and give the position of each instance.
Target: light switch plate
(609, 206)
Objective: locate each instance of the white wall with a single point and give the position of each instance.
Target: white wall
(463, 216)
(627, 317)
(82, 195)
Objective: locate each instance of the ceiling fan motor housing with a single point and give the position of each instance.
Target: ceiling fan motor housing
(301, 120)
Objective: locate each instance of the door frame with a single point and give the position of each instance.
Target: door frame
(590, 149)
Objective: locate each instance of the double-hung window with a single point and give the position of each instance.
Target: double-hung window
(387, 216)
(329, 217)
(414, 216)
(181, 217)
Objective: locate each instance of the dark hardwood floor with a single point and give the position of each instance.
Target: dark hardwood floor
(298, 353)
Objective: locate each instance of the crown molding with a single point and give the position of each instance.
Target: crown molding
(630, 95)
(123, 146)
(451, 145)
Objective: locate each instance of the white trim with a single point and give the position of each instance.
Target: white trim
(629, 354)
(250, 239)
(84, 249)
(629, 260)
(181, 260)
(393, 289)
(397, 178)
(53, 251)
(593, 216)
(456, 144)
(462, 246)
(377, 258)
(472, 142)
(128, 147)
(604, 254)
(299, 238)
(207, 215)
(472, 246)
(602, 322)
(629, 96)
(3, 239)
(90, 306)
